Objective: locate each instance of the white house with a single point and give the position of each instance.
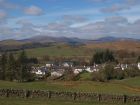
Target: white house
(139, 65)
(77, 70)
(56, 74)
(40, 72)
(49, 64)
(88, 69)
(67, 64)
(92, 69)
(124, 66)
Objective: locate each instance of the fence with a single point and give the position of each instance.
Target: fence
(77, 96)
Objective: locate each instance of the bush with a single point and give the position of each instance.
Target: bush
(132, 72)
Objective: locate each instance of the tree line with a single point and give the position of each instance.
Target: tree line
(102, 56)
(108, 72)
(16, 68)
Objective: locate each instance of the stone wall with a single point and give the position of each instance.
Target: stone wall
(77, 96)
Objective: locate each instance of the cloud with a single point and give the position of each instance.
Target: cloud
(112, 26)
(74, 18)
(117, 26)
(5, 4)
(114, 8)
(116, 20)
(3, 14)
(33, 10)
(24, 22)
(3, 17)
(124, 5)
(132, 2)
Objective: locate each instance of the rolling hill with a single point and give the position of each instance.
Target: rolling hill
(47, 41)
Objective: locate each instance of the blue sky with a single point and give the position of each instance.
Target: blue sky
(88, 19)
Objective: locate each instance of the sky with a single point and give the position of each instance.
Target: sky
(86, 19)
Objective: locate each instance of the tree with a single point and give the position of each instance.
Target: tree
(109, 72)
(11, 67)
(138, 59)
(102, 57)
(132, 72)
(24, 69)
(3, 64)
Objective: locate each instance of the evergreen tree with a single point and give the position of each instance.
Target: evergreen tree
(24, 67)
(102, 57)
(3, 66)
(11, 67)
(0, 67)
(138, 60)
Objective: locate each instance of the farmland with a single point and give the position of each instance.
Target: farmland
(63, 50)
(126, 86)
(40, 101)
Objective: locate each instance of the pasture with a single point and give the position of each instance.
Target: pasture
(129, 86)
(60, 50)
(40, 101)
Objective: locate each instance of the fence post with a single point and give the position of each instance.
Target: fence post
(7, 93)
(28, 94)
(49, 94)
(74, 95)
(99, 97)
(124, 98)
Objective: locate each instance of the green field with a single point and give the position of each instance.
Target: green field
(60, 50)
(127, 86)
(40, 101)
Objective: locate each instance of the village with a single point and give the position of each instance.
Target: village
(58, 70)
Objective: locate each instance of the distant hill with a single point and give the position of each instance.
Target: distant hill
(72, 40)
(45, 41)
(11, 42)
(49, 39)
(113, 39)
(128, 45)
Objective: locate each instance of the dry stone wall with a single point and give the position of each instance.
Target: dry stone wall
(77, 96)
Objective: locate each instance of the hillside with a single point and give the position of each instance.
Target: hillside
(126, 86)
(62, 46)
(86, 50)
(117, 45)
(11, 42)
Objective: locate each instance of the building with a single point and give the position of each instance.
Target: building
(67, 64)
(139, 65)
(39, 71)
(49, 64)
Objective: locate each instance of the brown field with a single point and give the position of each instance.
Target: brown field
(118, 45)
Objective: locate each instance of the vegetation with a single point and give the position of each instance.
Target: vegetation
(128, 86)
(15, 69)
(109, 73)
(102, 57)
(40, 101)
(138, 59)
(59, 51)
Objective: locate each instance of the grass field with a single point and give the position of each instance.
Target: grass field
(87, 50)
(62, 50)
(127, 86)
(18, 101)
(40, 101)
(85, 76)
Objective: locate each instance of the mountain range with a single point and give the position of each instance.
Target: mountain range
(72, 40)
(44, 39)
